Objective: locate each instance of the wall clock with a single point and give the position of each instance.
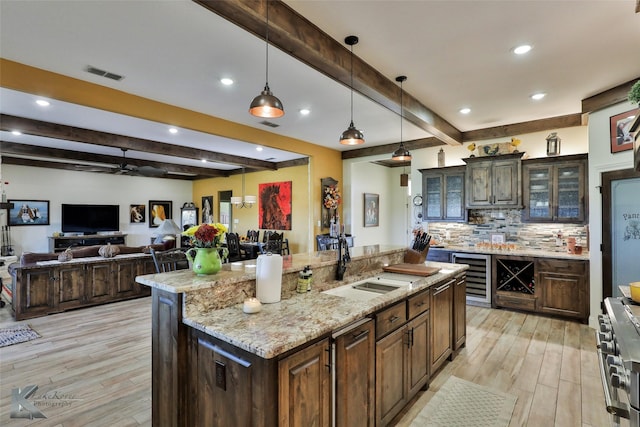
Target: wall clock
(417, 201)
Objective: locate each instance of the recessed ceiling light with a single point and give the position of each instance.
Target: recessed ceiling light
(204, 160)
(173, 130)
(521, 50)
(42, 103)
(538, 96)
(226, 81)
(16, 132)
(305, 111)
(258, 148)
(465, 110)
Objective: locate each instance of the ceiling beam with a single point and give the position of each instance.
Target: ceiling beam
(390, 148)
(295, 35)
(19, 161)
(70, 133)
(34, 151)
(607, 98)
(514, 129)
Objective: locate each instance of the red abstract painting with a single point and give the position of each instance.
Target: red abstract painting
(274, 206)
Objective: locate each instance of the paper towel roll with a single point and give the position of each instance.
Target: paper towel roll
(269, 278)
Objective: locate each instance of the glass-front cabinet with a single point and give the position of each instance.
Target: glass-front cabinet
(443, 194)
(554, 190)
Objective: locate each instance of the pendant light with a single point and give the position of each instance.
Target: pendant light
(351, 136)
(244, 201)
(266, 104)
(401, 154)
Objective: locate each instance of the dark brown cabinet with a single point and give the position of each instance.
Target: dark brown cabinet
(354, 366)
(443, 194)
(35, 295)
(402, 356)
(494, 181)
(554, 190)
(459, 312)
(441, 323)
(557, 287)
(305, 387)
(44, 290)
(73, 293)
(564, 287)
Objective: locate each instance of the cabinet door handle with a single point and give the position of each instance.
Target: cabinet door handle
(358, 335)
(394, 319)
(328, 350)
(442, 287)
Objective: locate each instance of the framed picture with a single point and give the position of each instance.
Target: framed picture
(274, 206)
(207, 209)
(620, 124)
(188, 216)
(159, 210)
(137, 214)
(371, 210)
(29, 212)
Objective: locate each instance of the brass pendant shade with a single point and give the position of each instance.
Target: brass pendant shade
(351, 136)
(401, 154)
(266, 105)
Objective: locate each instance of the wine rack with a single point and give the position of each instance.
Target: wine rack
(513, 275)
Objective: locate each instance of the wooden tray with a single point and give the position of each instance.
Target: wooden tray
(414, 269)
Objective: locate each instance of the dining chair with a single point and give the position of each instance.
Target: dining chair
(274, 243)
(171, 260)
(266, 235)
(253, 236)
(233, 246)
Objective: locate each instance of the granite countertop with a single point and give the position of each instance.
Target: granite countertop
(285, 325)
(520, 251)
(185, 281)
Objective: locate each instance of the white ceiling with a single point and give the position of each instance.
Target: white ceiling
(454, 53)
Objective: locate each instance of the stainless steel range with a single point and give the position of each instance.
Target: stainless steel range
(618, 341)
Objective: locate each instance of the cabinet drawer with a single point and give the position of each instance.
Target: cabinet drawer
(516, 301)
(561, 266)
(418, 303)
(391, 319)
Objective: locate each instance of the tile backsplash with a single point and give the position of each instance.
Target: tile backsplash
(485, 222)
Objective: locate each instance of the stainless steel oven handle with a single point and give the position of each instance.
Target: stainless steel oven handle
(613, 406)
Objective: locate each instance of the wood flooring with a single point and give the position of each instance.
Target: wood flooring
(94, 365)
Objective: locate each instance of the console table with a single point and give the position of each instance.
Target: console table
(61, 243)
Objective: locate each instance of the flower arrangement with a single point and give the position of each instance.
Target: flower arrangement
(206, 235)
(331, 197)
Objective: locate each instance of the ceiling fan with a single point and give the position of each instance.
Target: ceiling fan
(123, 168)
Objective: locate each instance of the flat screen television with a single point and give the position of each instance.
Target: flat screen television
(90, 219)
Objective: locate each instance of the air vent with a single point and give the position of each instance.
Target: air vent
(103, 73)
(270, 124)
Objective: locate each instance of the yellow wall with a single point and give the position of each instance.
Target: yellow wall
(298, 236)
(324, 162)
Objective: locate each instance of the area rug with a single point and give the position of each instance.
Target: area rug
(17, 334)
(461, 403)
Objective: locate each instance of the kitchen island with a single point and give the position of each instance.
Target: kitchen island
(213, 364)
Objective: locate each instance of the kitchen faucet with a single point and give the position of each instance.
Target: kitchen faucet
(343, 258)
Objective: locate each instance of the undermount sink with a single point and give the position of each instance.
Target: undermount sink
(375, 287)
(367, 289)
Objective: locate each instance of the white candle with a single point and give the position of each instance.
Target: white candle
(251, 305)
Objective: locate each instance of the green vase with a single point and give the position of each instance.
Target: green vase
(206, 261)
